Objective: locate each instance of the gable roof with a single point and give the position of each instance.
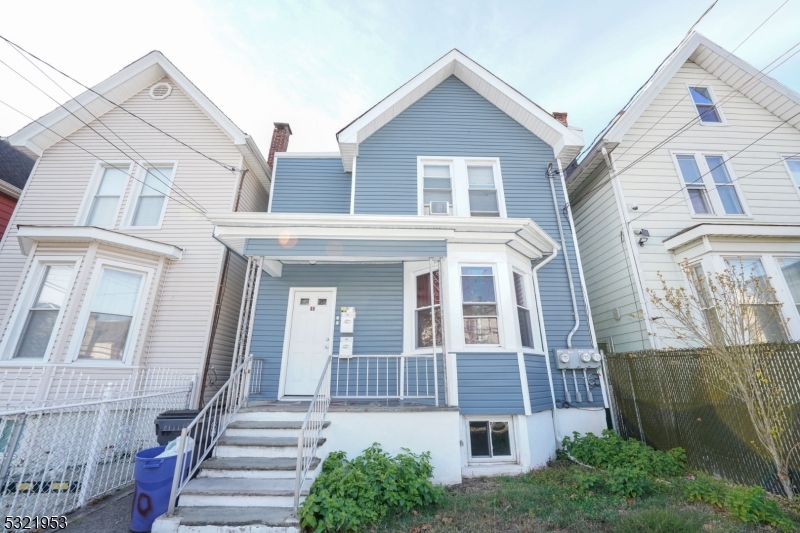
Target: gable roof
(39, 135)
(699, 49)
(15, 167)
(566, 141)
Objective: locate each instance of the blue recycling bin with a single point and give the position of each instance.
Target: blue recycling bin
(153, 484)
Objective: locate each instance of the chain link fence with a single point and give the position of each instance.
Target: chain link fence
(671, 398)
(54, 460)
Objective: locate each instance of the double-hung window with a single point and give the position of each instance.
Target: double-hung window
(152, 198)
(479, 304)
(106, 199)
(523, 311)
(793, 164)
(705, 299)
(703, 100)
(767, 314)
(424, 327)
(482, 191)
(489, 439)
(709, 187)
(111, 314)
(790, 268)
(43, 312)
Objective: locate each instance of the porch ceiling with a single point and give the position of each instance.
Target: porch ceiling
(372, 238)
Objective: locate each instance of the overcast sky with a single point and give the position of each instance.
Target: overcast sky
(318, 65)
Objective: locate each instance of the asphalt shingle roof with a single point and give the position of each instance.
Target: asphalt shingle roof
(15, 167)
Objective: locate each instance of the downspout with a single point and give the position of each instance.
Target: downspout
(552, 173)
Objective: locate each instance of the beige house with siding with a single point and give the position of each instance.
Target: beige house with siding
(109, 265)
(703, 165)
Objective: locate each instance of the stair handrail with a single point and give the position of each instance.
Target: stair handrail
(208, 426)
(310, 431)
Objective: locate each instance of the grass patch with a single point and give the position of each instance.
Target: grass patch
(555, 499)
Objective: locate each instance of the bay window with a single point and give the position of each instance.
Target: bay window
(111, 313)
(767, 314)
(523, 311)
(479, 305)
(790, 268)
(708, 185)
(424, 326)
(43, 312)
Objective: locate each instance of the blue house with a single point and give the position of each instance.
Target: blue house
(425, 281)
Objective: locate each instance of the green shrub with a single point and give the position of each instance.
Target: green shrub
(612, 451)
(589, 481)
(348, 495)
(660, 521)
(707, 490)
(628, 482)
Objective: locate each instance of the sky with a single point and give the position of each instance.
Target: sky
(318, 65)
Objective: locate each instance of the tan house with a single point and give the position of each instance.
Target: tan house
(703, 165)
(109, 265)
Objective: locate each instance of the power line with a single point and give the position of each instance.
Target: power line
(165, 181)
(223, 165)
(110, 165)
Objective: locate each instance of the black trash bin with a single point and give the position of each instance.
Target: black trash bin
(170, 423)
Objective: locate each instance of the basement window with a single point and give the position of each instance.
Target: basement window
(490, 440)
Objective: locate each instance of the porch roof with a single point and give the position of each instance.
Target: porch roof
(326, 237)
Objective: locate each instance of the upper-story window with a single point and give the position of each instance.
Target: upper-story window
(106, 196)
(708, 185)
(706, 105)
(793, 164)
(151, 196)
(460, 187)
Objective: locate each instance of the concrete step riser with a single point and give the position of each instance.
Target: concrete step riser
(250, 474)
(256, 451)
(281, 416)
(238, 529)
(262, 433)
(236, 500)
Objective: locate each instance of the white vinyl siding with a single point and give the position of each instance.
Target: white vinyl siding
(184, 302)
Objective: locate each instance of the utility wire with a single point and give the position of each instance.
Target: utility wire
(110, 165)
(223, 165)
(166, 181)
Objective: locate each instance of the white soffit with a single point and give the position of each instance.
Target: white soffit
(566, 142)
(742, 231)
(27, 235)
(41, 134)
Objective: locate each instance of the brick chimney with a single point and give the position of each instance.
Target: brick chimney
(561, 117)
(280, 140)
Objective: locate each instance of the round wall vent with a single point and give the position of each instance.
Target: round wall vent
(160, 90)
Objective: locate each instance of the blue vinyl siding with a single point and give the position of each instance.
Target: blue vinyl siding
(376, 291)
(311, 185)
(538, 384)
(346, 248)
(489, 384)
(453, 120)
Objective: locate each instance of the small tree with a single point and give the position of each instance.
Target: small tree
(727, 313)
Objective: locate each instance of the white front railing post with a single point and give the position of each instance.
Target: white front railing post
(95, 448)
(176, 477)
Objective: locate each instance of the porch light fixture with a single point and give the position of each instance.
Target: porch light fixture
(643, 235)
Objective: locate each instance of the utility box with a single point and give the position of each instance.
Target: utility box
(345, 347)
(570, 359)
(348, 319)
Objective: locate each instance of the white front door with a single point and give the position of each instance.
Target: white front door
(310, 340)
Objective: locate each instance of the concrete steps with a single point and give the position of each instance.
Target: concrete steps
(248, 485)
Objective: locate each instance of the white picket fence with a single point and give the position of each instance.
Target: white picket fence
(57, 458)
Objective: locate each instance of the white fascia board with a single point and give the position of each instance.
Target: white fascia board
(564, 140)
(27, 235)
(307, 155)
(786, 231)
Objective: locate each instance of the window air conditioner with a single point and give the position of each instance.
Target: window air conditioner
(439, 208)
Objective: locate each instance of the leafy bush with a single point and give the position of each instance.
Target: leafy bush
(628, 482)
(660, 521)
(749, 504)
(350, 494)
(612, 451)
(589, 481)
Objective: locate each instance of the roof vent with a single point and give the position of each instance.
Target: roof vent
(160, 90)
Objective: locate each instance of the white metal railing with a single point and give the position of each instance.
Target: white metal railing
(208, 426)
(385, 377)
(36, 386)
(255, 378)
(311, 430)
(57, 459)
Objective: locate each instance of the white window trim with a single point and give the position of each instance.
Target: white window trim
(32, 281)
(527, 288)
(512, 437)
(136, 321)
(711, 188)
(499, 304)
(723, 121)
(459, 182)
(94, 183)
(785, 158)
(136, 189)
